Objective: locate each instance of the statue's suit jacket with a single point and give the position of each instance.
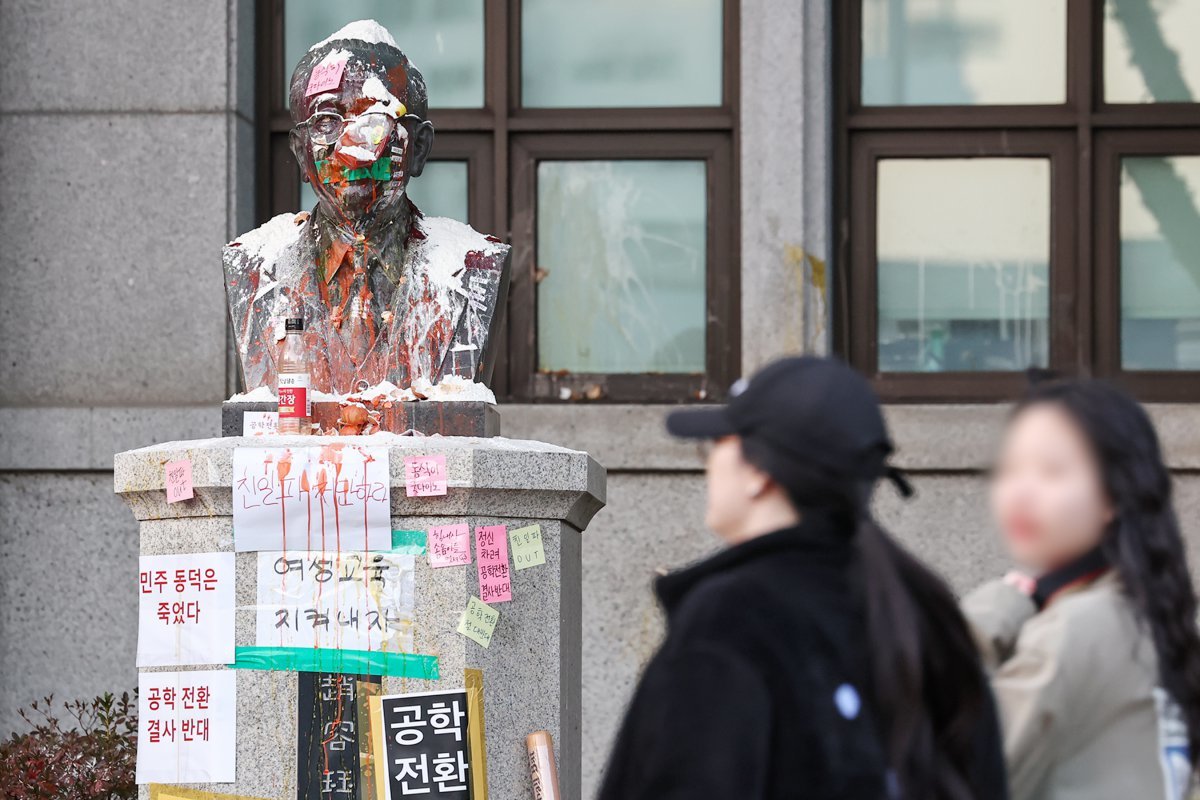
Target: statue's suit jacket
(429, 308)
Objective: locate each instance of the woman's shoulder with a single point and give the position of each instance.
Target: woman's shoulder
(1084, 622)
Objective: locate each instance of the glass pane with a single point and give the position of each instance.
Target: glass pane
(441, 191)
(964, 52)
(444, 38)
(621, 248)
(1160, 263)
(1151, 51)
(614, 53)
(964, 253)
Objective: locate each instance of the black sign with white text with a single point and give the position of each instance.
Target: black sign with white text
(426, 751)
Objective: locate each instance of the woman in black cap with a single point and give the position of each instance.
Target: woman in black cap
(814, 658)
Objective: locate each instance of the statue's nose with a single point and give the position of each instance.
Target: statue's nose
(360, 144)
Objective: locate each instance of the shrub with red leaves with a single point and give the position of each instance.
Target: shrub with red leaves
(93, 758)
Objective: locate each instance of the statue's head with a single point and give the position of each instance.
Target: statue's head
(359, 108)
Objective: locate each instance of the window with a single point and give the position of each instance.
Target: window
(596, 136)
(1019, 186)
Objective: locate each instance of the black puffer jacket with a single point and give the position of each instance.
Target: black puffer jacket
(759, 690)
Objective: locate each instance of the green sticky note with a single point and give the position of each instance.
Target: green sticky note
(478, 622)
(526, 546)
(410, 543)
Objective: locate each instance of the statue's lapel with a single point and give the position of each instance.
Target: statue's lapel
(426, 311)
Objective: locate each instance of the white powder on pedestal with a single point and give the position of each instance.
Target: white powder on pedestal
(453, 388)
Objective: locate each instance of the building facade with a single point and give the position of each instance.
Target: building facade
(944, 192)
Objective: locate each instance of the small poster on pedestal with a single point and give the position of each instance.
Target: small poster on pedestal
(422, 745)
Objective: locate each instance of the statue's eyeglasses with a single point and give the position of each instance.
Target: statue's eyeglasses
(326, 127)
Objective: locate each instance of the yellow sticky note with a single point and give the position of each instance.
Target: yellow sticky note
(526, 546)
(478, 622)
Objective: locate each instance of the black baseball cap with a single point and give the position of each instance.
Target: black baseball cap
(810, 414)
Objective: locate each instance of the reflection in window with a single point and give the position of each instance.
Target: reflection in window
(621, 255)
(963, 255)
(964, 52)
(444, 38)
(1160, 263)
(1151, 51)
(620, 53)
(441, 191)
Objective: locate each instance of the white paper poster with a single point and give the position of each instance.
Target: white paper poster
(187, 726)
(333, 498)
(351, 601)
(185, 611)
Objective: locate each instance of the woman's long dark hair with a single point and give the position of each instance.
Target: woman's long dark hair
(929, 690)
(1143, 542)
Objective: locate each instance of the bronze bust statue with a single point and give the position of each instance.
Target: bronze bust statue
(386, 292)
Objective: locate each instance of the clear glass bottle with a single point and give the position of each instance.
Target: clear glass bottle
(295, 398)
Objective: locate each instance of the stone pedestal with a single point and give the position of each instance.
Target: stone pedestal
(531, 672)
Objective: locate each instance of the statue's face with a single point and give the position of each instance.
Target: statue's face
(357, 145)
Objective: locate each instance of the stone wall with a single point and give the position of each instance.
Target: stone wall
(126, 145)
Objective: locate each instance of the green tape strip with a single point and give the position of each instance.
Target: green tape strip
(411, 543)
(379, 170)
(350, 662)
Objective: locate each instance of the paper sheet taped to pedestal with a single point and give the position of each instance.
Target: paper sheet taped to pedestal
(185, 613)
(186, 726)
(334, 498)
(347, 601)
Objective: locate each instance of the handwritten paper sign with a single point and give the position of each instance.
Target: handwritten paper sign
(333, 497)
(449, 545)
(478, 622)
(179, 480)
(186, 726)
(425, 476)
(351, 601)
(527, 548)
(491, 556)
(424, 746)
(327, 75)
(185, 613)
(259, 423)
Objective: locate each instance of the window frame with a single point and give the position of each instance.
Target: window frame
(1085, 326)
(495, 138)
(868, 151)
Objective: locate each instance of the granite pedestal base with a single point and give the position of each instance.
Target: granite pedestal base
(531, 672)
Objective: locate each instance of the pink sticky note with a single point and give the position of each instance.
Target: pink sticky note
(179, 480)
(425, 476)
(491, 556)
(325, 76)
(449, 545)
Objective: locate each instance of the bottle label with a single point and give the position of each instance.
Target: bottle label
(294, 398)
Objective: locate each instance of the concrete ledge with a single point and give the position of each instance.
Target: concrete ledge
(931, 438)
(69, 439)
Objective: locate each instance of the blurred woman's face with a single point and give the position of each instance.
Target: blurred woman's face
(732, 486)
(1047, 492)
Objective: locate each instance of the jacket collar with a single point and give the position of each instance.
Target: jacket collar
(817, 535)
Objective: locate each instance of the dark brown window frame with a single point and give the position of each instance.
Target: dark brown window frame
(501, 135)
(1085, 249)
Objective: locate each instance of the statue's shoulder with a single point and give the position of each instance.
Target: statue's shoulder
(263, 245)
(449, 239)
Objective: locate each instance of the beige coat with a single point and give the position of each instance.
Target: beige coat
(1077, 688)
